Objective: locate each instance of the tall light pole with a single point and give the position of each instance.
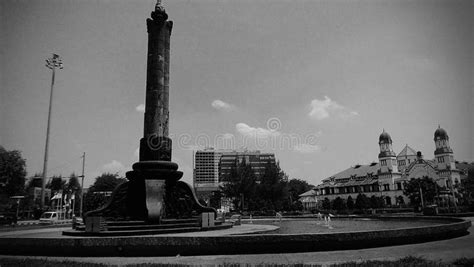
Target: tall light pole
(82, 184)
(52, 63)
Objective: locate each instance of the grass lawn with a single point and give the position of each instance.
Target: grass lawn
(407, 261)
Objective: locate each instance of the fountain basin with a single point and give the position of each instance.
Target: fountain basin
(233, 241)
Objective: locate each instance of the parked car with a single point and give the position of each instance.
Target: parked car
(236, 219)
(49, 217)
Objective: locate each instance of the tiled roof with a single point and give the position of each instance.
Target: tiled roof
(407, 151)
(355, 182)
(308, 193)
(356, 171)
(430, 163)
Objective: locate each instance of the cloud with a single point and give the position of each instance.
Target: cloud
(250, 131)
(322, 109)
(114, 167)
(136, 154)
(306, 148)
(140, 108)
(221, 105)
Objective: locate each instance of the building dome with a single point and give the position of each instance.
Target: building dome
(385, 137)
(440, 133)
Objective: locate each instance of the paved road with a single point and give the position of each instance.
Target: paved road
(446, 250)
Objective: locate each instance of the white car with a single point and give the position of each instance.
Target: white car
(49, 217)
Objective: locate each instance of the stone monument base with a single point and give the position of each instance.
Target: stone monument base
(153, 193)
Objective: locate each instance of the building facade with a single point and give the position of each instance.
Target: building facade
(257, 161)
(211, 165)
(386, 177)
(206, 172)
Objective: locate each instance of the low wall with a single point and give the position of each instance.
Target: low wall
(237, 244)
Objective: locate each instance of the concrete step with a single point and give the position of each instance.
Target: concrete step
(150, 226)
(134, 232)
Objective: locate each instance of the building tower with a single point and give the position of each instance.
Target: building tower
(388, 164)
(444, 159)
(443, 153)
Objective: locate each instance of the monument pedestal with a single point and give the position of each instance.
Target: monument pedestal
(156, 176)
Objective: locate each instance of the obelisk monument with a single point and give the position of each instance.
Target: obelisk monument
(154, 191)
(155, 144)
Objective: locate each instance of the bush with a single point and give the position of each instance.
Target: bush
(464, 261)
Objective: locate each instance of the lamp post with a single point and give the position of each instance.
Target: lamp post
(18, 199)
(52, 63)
(82, 184)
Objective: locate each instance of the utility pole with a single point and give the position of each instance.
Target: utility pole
(51, 63)
(82, 184)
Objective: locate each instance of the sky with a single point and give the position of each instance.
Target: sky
(314, 82)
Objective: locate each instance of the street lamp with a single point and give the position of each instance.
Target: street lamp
(82, 184)
(52, 63)
(18, 199)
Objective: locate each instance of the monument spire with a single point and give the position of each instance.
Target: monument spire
(155, 144)
(159, 6)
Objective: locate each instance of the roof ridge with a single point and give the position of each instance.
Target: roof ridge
(406, 150)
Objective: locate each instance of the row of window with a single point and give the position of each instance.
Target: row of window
(358, 189)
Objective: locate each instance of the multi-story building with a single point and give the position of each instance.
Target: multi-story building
(257, 161)
(206, 172)
(211, 165)
(387, 176)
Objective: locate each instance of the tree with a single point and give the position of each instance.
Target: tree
(73, 183)
(400, 200)
(29, 203)
(350, 203)
(56, 184)
(467, 186)
(12, 172)
(376, 202)
(297, 187)
(106, 182)
(338, 204)
(362, 202)
(272, 190)
(428, 186)
(215, 199)
(35, 181)
(93, 201)
(326, 205)
(240, 185)
(73, 189)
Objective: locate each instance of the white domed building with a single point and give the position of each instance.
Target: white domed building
(386, 177)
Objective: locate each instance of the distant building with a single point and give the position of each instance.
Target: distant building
(387, 176)
(206, 172)
(35, 192)
(211, 165)
(257, 161)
